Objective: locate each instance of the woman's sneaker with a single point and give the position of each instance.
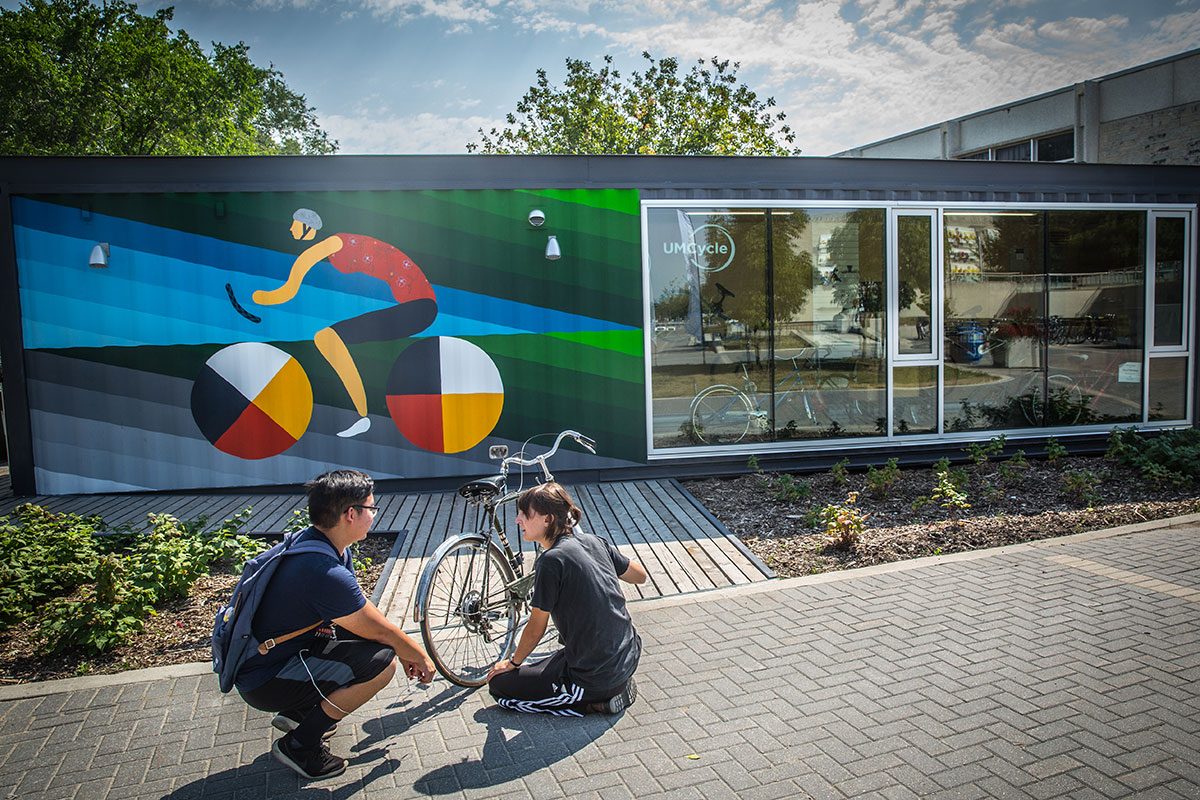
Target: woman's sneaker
(285, 722)
(615, 705)
(311, 764)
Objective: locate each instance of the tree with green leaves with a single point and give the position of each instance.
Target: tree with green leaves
(81, 79)
(704, 111)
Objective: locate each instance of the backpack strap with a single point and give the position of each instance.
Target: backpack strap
(307, 546)
(275, 640)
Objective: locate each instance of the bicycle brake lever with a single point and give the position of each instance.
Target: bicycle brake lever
(587, 442)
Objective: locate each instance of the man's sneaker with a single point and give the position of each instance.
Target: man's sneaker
(283, 721)
(311, 764)
(615, 705)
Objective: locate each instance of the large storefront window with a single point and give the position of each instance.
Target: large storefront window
(769, 324)
(1043, 318)
(791, 324)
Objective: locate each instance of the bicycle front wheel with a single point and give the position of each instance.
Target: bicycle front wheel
(471, 619)
(721, 415)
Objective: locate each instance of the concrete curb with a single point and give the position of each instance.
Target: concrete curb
(40, 689)
(20, 691)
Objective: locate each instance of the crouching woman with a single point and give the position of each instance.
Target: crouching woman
(576, 586)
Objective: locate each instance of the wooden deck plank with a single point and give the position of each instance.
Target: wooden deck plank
(720, 539)
(675, 561)
(703, 534)
(264, 508)
(692, 560)
(688, 499)
(599, 521)
(388, 506)
(282, 516)
(600, 511)
(421, 547)
(694, 538)
(644, 535)
(228, 506)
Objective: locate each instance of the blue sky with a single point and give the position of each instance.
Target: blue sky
(405, 76)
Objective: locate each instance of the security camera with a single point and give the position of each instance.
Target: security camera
(536, 218)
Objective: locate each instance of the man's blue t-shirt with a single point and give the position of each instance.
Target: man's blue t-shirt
(304, 589)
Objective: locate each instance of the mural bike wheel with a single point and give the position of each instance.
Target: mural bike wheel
(252, 400)
(445, 394)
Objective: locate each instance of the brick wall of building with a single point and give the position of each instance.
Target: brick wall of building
(1169, 136)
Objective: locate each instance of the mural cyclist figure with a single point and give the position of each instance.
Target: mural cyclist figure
(315, 677)
(576, 586)
(351, 252)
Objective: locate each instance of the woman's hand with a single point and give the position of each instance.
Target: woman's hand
(500, 667)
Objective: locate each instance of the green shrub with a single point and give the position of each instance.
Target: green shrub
(844, 522)
(1082, 483)
(1012, 470)
(1172, 457)
(1055, 452)
(880, 481)
(94, 592)
(979, 453)
(957, 475)
(947, 494)
(840, 474)
(42, 556)
(790, 490)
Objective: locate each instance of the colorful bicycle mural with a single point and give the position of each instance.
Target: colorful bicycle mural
(253, 400)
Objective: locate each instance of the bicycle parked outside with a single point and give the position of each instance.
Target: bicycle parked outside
(474, 595)
(727, 414)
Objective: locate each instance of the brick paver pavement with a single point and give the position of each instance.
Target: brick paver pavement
(1063, 669)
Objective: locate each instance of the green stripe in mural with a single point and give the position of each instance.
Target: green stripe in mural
(624, 201)
(627, 342)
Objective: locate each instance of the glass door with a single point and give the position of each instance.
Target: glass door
(914, 304)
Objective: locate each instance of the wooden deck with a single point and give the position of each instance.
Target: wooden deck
(656, 522)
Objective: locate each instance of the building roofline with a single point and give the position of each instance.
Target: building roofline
(1022, 101)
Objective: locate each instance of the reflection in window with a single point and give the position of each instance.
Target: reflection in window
(1096, 274)
(1015, 362)
(915, 255)
(1059, 147)
(1021, 151)
(1168, 389)
(914, 396)
(754, 343)
(708, 284)
(1168, 281)
(993, 306)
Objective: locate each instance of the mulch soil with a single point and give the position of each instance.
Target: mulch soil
(1009, 504)
(180, 633)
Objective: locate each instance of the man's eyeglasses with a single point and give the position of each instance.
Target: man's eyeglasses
(365, 507)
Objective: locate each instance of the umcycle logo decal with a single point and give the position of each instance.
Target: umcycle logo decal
(704, 254)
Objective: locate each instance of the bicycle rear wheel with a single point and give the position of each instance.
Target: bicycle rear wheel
(720, 415)
(471, 618)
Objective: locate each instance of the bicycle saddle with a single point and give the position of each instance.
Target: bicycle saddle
(482, 488)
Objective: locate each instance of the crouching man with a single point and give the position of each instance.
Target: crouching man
(315, 677)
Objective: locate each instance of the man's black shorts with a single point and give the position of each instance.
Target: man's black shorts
(344, 662)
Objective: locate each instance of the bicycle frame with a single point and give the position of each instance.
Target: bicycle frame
(493, 500)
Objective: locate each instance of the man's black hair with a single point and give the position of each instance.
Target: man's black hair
(329, 495)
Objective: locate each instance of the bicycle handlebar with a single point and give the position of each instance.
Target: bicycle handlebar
(585, 442)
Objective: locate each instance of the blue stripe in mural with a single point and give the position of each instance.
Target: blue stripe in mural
(147, 297)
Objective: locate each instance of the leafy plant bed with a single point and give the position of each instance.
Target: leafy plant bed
(809, 524)
(176, 632)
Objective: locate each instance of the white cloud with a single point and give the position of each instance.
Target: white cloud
(903, 65)
(422, 133)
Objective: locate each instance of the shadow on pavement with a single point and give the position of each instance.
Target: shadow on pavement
(267, 777)
(517, 745)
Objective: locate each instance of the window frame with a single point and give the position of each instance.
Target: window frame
(1189, 211)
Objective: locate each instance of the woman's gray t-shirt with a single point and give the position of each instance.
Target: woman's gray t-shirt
(576, 583)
